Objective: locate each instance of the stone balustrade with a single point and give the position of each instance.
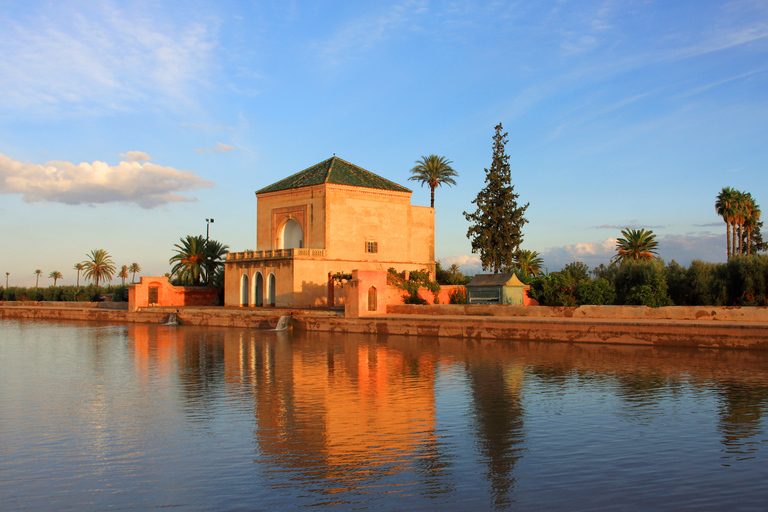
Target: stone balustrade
(277, 254)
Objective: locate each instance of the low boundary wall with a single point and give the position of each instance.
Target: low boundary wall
(708, 327)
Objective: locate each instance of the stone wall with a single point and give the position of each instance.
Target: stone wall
(169, 295)
(697, 313)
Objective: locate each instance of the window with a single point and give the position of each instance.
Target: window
(372, 247)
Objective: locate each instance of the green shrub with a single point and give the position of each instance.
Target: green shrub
(420, 276)
(746, 275)
(678, 284)
(554, 289)
(458, 296)
(412, 287)
(653, 294)
(52, 293)
(599, 292)
(577, 272)
(641, 282)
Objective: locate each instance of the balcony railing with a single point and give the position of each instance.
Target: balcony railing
(277, 254)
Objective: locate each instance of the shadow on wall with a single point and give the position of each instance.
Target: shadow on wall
(315, 294)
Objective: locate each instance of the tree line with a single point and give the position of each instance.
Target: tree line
(197, 261)
(741, 215)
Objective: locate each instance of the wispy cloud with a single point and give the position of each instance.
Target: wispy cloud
(366, 32)
(145, 184)
(207, 126)
(632, 224)
(135, 156)
(100, 58)
(220, 147)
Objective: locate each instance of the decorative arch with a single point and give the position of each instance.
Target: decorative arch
(291, 235)
(271, 289)
(372, 306)
(244, 290)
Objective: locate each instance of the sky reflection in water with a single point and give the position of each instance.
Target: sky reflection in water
(145, 416)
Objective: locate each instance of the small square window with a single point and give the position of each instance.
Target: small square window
(372, 247)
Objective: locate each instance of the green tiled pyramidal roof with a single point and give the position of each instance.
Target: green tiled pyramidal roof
(334, 170)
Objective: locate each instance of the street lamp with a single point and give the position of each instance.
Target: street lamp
(208, 223)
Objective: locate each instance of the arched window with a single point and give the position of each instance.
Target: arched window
(372, 298)
(292, 236)
(244, 290)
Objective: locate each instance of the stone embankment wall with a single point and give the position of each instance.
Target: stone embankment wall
(703, 327)
(698, 313)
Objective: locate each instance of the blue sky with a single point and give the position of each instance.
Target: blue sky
(124, 125)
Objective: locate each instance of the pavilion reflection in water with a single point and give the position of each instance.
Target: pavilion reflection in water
(354, 410)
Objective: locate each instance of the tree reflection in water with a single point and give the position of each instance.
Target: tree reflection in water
(498, 416)
(742, 407)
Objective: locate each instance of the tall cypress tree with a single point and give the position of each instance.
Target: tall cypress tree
(496, 226)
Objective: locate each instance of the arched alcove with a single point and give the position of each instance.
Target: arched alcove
(244, 290)
(292, 236)
(258, 293)
(271, 289)
(372, 298)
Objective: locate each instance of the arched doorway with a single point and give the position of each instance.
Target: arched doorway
(258, 292)
(271, 289)
(372, 298)
(292, 236)
(244, 290)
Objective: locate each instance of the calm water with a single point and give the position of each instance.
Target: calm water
(140, 417)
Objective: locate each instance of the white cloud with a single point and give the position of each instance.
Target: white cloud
(99, 58)
(591, 253)
(469, 264)
(681, 248)
(146, 184)
(135, 156)
(221, 148)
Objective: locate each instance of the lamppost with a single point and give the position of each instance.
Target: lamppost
(208, 223)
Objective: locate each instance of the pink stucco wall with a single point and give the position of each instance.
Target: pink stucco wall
(169, 295)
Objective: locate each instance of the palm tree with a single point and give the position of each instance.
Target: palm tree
(99, 266)
(190, 259)
(725, 207)
(79, 267)
(453, 269)
(215, 254)
(636, 244)
(39, 273)
(751, 217)
(739, 216)
(55, 275)
(433, 170)
(529, 262)
(134, 269)
(123, 273)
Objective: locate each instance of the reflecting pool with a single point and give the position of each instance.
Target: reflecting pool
(138, 417)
